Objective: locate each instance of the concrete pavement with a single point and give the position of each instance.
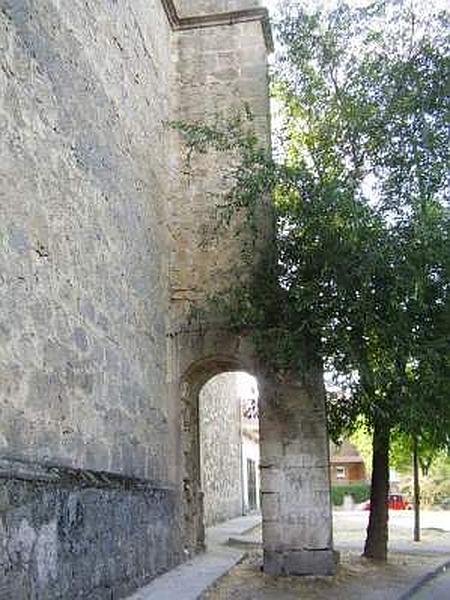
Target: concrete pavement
(193, 577)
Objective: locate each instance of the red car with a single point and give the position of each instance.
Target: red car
(395, 502)
(398, 502)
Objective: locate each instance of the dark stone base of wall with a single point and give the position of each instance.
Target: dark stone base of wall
(76, 534)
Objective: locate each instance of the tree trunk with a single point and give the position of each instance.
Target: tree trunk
(377, 530)
(416, 491)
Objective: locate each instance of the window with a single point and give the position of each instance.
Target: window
(251, 479)
(341, 473)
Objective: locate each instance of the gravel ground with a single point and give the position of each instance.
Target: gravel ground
(356, 579)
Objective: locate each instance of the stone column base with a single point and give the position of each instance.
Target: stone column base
(299, 562)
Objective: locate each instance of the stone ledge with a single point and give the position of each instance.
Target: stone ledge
(220, 19)
(67, 476)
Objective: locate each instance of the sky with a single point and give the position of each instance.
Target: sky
(269, 3)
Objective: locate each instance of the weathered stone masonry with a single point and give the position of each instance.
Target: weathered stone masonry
(100, 265)
(221, 449)
(79, 534)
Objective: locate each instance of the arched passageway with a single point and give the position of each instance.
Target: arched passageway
(295, 494)
(229, 447)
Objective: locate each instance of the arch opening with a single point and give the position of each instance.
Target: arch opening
(229, 447)
(206, 388)
(293, 485)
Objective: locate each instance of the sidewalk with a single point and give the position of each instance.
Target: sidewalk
(436, 587)
(192, 578)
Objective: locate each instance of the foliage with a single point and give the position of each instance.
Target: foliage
(361, 276)
(361, 270)
(401, 453)
(367, 118)
(435, 484)
(358, 491)
(251, 172)
(362, 439)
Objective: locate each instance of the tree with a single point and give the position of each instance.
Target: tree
(365, 91)
(360, 280)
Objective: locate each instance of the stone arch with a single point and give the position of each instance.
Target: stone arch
(210, 353)
(295, 496)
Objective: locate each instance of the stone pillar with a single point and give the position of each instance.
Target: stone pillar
(295, 487)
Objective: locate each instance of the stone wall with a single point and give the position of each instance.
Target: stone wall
(221, 449)
(76, 534)
(220, 70)
(84, 90)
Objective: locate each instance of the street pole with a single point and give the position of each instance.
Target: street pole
(416, 490)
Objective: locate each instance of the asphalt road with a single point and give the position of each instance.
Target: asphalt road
(437, 588)
(398, 519)
(349, 531)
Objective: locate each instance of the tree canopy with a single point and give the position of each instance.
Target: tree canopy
(360, 184)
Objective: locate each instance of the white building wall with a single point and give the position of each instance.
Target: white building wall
(250, 451)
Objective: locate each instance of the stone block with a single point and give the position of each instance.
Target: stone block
(310, 529)
(271, 447)
(270, 505)
(272, 535)
(271, 478)
(299, 562)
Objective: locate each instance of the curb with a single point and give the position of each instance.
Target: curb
(424, 580)
(243, 543)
